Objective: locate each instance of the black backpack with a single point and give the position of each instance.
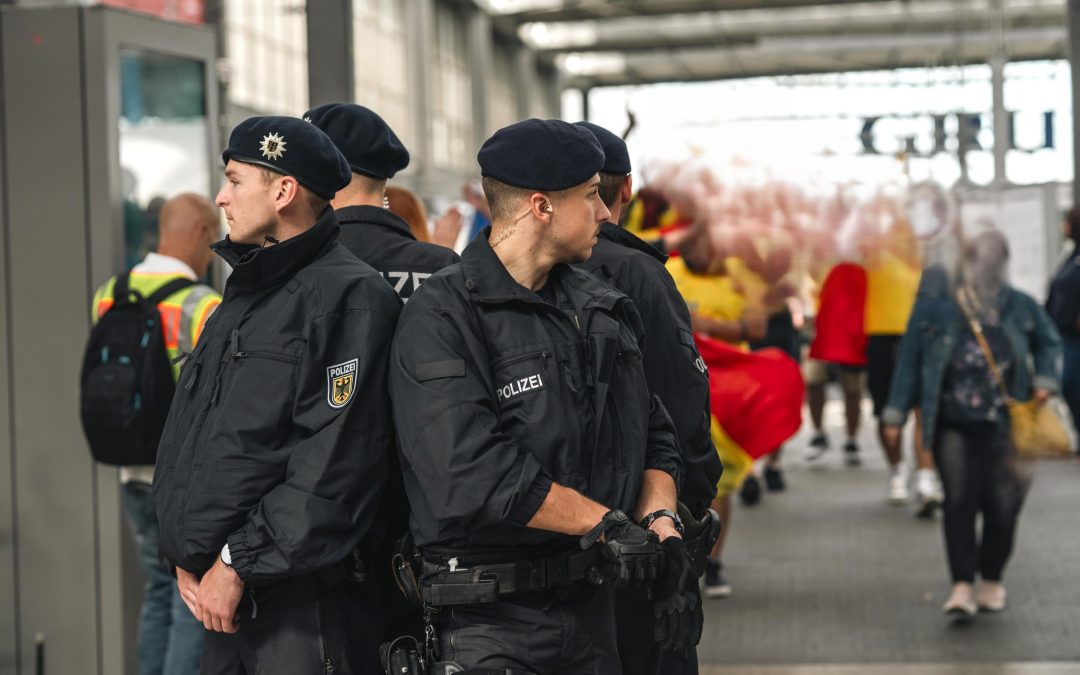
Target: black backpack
(127, 385)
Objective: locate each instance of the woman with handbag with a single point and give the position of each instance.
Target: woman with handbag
(965, 361)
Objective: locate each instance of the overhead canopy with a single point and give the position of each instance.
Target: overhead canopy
(626, 42)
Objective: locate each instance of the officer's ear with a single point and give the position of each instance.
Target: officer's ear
(540, 206)
(288, 192)
(626, 192)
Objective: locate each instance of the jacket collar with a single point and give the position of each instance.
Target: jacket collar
(273, 265)
(620, 236)
(487, 279)
(374, 215)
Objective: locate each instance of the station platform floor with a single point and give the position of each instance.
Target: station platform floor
(829, 578)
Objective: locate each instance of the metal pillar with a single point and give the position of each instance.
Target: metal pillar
(1074, 57)
(330, 65)
(420, 18)
(481, 57)
(585, 104)
(525, 81)
(998, 60)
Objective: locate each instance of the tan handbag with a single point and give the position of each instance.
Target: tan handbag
(1036, 428)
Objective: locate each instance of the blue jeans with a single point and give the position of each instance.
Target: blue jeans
(170, 638)
(1070, 378)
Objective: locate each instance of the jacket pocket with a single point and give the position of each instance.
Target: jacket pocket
(629, 421)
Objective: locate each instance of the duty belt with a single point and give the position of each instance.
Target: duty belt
(443, 584)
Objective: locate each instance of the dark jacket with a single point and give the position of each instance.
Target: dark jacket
(1063, 301)
(496, 394)
(933, 330)
(673, 368)
(269, 445)
(384, 241)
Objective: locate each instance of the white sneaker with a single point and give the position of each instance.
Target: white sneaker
(898, 484)
(928, 493)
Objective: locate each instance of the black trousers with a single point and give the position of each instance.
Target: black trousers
(298, 626)
(638, 652)
(978, 477)
(534, 633)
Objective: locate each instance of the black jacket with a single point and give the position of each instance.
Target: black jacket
(673, 368)
(269, 445)
(384, 241)
(496, 394)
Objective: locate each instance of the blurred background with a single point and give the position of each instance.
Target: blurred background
(803, 122)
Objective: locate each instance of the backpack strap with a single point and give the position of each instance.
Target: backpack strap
(121, 292)
(168, 289)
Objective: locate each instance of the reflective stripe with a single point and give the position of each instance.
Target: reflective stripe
(194, 314)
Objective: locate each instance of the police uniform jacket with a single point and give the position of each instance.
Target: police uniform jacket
(673, 368)
(497, 393)
(1063, 300)
(278, 436)
(383, 240)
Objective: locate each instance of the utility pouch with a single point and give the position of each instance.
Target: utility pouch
(462, 587)
(401, 657)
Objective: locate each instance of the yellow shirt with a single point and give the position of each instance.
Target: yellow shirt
(891, 286)
(711, 296)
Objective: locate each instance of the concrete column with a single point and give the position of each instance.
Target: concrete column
(1074, 57)
(585, 104)
(481, 56)
(330, 52)
(420, 19)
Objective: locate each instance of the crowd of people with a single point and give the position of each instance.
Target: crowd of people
(502, 439)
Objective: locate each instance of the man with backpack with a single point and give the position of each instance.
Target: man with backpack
(165, 283)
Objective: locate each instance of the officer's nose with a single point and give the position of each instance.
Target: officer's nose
(220, 198)
(604, 213)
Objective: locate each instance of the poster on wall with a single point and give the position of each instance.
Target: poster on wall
(1025, 216)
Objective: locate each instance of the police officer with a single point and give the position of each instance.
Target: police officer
(526, 428)
(383, 240)
(370, 231)
(675, 373)
(275, 449)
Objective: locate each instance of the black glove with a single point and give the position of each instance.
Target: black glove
(700, 535)
(631, 554)
(677, 600)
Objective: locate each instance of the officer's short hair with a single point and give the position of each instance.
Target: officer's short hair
(503, 200)
(314, 202)
(1073, 218)
(610, 186)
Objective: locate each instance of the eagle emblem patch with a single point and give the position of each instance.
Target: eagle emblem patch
(341, 383)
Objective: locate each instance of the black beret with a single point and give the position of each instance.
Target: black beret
(367, 141)
(545, 155)
(616, 156)
(291, 147)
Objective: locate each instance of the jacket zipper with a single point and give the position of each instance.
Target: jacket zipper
(546, 354)
(266, 355)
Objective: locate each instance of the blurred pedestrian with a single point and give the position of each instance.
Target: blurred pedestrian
(893, 269)
(956, 334)
(839, 345)
(1063, 305)
(407, 206)
(170, 638)
(719, 311)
